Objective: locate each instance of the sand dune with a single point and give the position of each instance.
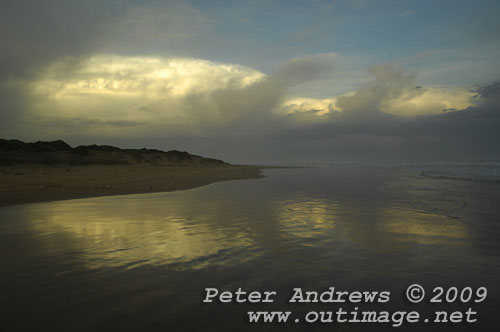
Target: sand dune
(45, 171)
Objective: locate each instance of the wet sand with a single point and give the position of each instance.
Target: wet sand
(142, 262)
(38, 183)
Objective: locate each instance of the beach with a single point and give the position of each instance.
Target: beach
(145, 262)
(38, 183)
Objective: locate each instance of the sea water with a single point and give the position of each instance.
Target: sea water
(144, 262)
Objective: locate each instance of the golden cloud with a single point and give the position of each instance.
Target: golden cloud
(408, 103)
(112, 95)
(432, 100)
(135, 89)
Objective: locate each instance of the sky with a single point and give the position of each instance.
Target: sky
(257, 81)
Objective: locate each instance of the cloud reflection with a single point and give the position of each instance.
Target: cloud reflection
(423, 228)
(306, 218)
(115, 233)
(378, 228)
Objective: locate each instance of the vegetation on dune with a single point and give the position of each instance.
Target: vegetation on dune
(59, 152)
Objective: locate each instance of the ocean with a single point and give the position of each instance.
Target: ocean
(148, 262)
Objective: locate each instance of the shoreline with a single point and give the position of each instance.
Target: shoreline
(22, 184)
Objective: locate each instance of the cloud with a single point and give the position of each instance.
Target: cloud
(146, 91)
(144, 94)
(371, 135)
(320, 107)
(489, 95)
(222, 110)
(34, 33)
(390, 82)
(393, 91)
(377, 123)
(430, 100)
(152, 77)
(304, 69)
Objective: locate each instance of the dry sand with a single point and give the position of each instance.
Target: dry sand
(37, 183)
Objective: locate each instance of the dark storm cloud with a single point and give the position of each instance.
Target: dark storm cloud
(367, 134)
(468, 134)
(33, 33)
(250, 109)
(165, 96)
(490, 95)
(463, 135)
